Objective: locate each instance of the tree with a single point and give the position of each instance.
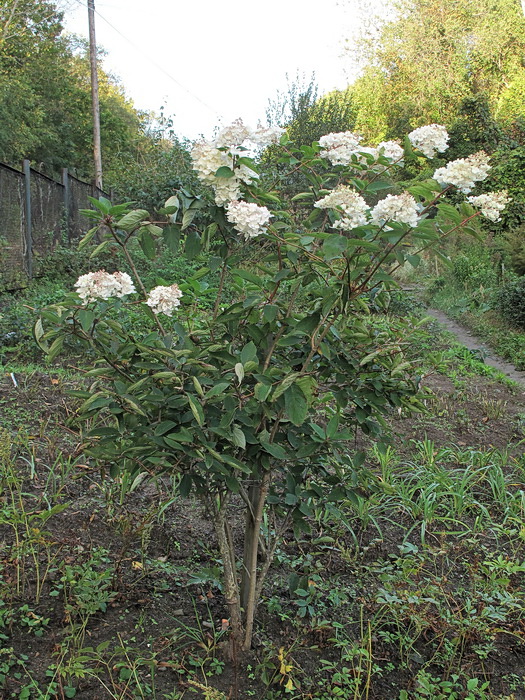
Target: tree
(434, 55)
(45, 102)
(305, 115)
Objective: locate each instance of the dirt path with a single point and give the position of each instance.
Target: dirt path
(465, 337)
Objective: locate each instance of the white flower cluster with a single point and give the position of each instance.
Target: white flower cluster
(430, 139)
(266, 135)
(207, 159)
(464, 172)
(233, 136)
(163, 300)
(491, 204)
(351, 203)
(339, 147)
(103, 285)
(402, 208)
(391, 149)
(233, 140)
(248, 218)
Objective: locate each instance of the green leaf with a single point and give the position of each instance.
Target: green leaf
(273, 449)
(334, 246)
(302, 195)
(86, 319)
(134, 405)
(295, 405)
(183, 435)
(224, 171)
(164, 427)
(55, 347)
(248, 276)
(99, 248)
(130, 220)
(87, 238)
(283, 386)
(147, 243)
(196, 409)
(192, 245)
(414, 260)
(102, 204)
(185, 485)
(270, 312)
(198, 387)
(38, 330)
(217, 389)
(97, 400)
(188, 217)
(172, 201)
(333, 425)
(262, 391)
(307, 384)
(238, 437)
(449, 212)
(239, 371)
(171, 236)
(249, 352)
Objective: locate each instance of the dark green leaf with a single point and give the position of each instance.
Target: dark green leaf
(192, 246)
(334, 246)
(295, 405)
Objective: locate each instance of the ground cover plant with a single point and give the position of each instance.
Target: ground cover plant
(258, 397)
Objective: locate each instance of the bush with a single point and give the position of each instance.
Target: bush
(474, 268)
(509, 301)
(513, 247)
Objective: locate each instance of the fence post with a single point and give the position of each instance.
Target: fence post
(29, 235)
(65, 183)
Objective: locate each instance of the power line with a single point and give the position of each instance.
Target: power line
(154, 63)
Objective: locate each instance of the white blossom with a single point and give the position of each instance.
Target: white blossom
(209, 156)
(464, 172)
(491, 204)
(207, 159)
(266, 136)
(402, 208)
(248, 218)
(103, 285)
(226, 189)
(350, 202)
(233, 136)
(391, 150)
(430, 139)
(126, 283)
(339, 147)
(163, 300)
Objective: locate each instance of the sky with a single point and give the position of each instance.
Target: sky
(212, 61)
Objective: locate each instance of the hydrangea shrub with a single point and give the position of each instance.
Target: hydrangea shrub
(259, 400)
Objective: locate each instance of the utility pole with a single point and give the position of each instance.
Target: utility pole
(97, 153)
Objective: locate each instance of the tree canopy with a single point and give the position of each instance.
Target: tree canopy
(432, 56)
(45, 97)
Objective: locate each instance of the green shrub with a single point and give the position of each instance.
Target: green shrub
(474, 268)
(513, 247)
(510, 300)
